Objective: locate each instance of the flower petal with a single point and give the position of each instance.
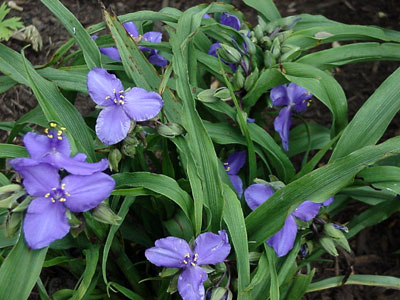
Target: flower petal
(235, 162)
(77, 167)
(101, 84)
(213, 49)
(283, 240)
(86, 192)
(282, 125)
(141, 105)
(44, 223)
(279, 95)
(212, 248)
(307, 210)
(230, 20)
(299, 96)
(190, 283)
(237, 184)
(39, 178)
(111, 52)
(131, 28)
(169, 252)
(112, 125)
(256, 194)
(151, 37)
(157, 60)
(329, 201)
(39, 145)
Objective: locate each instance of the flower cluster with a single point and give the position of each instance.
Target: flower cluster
(151, 36)
(120, 106)
(293, 98)
(83, 189)
(172, 252)
(283, 240)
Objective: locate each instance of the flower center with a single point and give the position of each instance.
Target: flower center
(117, 97)
(191, 260)
(58, 194)
(227, 167)
(54, 134)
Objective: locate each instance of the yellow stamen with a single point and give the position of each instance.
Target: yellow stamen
(63, 186)
(114, 91)
(53, 189)
(225, 164)
(187, 255)
(193, 264)
(63, 199)
(52, 200)
(59, 138)
(115, 100)
(59, 132)
(108, 97)
(120, 92)
(53, 124)
(46, 131)
(185, 262)
(228, 169)
(122, 96)
(47, 195)
(50, 136)
(63, 128)
(67, 194)
(308, 104)
(121, 102)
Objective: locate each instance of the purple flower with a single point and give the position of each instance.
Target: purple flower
(172, 252)
(230, 20)
(55, 150)
(293, 97)
(46, 220)
(213, 52)
(151, 36)
(232, 166)
(121, 106)
(283, 240)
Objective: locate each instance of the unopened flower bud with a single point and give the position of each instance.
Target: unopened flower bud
(251, 48)
(229, 54)
(266, 40)
(282, 36)
(328, 244)
(262, 23)
(12, 223)
(104, 214)
(258, 32)
(238, 80)
(129, 146)
(207, 96)
(251, 80)
(269, 59)
(276, 48)
(170, 130)
(221, 293)
(114, 157)
(223, 94)
(332, 232)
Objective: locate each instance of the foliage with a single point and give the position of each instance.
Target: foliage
(7, 26)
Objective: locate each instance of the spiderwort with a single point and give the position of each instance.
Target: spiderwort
(151, 36)
(172, 252)
(46, 220)
(54, 149)
(293, 98)
(230, 20)
(283, 240)
(120, 107)
(232, 166)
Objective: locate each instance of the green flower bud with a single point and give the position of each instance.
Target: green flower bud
(258, 32)
(343, 242)
(238, 80)
(223, 94)
(328, 244)
(12, 223)
(114, 157)
(104, 214)
(170, 130)
(229, 54)
(269, 59)
(251, 79)
(263, 25)
(289, 22)
(254, 256)
(129, 146)
(283, 35)
(207, 96)
(266, 40)
(251, 48)
(276, 48)
(332, 232)
(219, 294)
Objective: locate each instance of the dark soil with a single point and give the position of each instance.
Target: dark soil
(373, 247)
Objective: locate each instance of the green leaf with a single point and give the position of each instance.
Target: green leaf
(300, 285)
(126, 292)
(371, 121)
(382, 177)
(90, 51)
(9, 25)
(266, 8)
(316, 186)
(20, 271)
(12, 151)
(271, 257)
(370, 280)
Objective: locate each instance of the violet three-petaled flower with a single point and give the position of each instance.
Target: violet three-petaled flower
(55, 150)
(230, 20)
(121, 106)
(282, 241)
(232, 166)
(294, 98)
(172, 252)
(151, 36)
(45, 220)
